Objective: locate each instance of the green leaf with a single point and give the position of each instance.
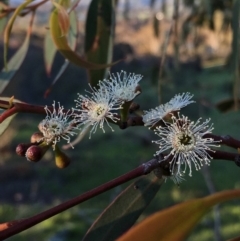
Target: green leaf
(99, 36)
(49, 52)
(123, 212)
(72, 36)
(64, 48)
(15, 62)
(63, 18)
(50, 48)
(8, 28)
(175, 223)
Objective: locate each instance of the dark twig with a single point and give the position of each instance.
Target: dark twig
(225, 140)
(227, 156)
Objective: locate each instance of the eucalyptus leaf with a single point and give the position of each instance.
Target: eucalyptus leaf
(99, 36)
(123, 212)
(14, 63)
(62, 43)
(175, 223)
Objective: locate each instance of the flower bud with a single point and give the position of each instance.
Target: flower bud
(22, 148)
(61, 159)
(35, 153)
(36, 137)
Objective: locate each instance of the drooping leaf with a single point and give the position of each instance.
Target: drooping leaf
(8, 28)
(72, 36)
(123, 212)
(16, 61)
(59, 74)
(63, 18)
(64, 48)
(49, 52)
(99, 36)
(175, 223)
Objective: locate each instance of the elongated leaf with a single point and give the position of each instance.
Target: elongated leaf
(50, 48)
(99, 36)
(8, 28)
(59, 74)
(123, 212)
(63, 18)
(72, 36)
(62, 45)
(49, 52)
(16, 61)
(175, 223)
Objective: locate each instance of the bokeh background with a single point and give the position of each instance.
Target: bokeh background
(192, 53)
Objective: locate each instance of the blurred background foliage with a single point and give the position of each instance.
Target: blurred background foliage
(178, 46)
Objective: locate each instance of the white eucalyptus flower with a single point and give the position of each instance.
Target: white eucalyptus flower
(56, 125)
(186, 143)
(151, 117)
(96, 109)
(122, 86)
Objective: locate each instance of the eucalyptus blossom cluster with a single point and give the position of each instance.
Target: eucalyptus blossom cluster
(182, 142)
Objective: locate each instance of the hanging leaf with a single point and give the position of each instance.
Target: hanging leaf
(49, 52)
(175, 223)
(59, 74)
(123, 212)
(8, 29)
(99, 36)
(16, 61)
(72, 36)
(63, 18)
(63, 47)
